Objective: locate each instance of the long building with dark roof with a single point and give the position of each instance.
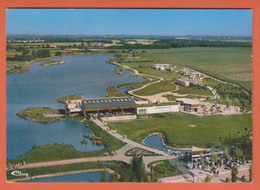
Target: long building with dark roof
(108, 106)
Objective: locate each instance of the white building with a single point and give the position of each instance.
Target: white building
(187, 81)
(183, 81)
(188, 105)
(73, 106)
(158, 109)
(195, 75)
(184, 72)
(161, 67)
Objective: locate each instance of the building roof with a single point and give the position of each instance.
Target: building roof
(184, 70)
(187, 79)
(184, 79)
(161, 65)
(108, 103)
(188, 101)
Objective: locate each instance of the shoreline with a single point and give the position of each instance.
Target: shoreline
(62, 173)
(163, 141)
(45, 60)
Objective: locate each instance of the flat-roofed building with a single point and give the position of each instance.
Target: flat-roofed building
(188, 105)
(157, 109)
(187, 81)
(73, 106)
(183, 81)
(162, 67)
(195, 75)
(184, 72)
(110, 106)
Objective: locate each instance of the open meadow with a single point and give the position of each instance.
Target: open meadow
(230, 63)
(205, 131)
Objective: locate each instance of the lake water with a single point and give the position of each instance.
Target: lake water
(156, 141)
(42, 86)
(81, 177)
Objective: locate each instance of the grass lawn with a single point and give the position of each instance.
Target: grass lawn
(231, 63)
(177, 130)
(248, 84)
(173, 98)
(199, 90)
(112, 92)
(36, 114)
(163, 169)
(71, 97)
(152, 89)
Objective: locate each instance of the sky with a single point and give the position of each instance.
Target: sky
(225, 22)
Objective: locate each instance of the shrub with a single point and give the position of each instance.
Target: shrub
(207, 179)
(243, 179)
(227, 180)
(250, 173)
(234, 173)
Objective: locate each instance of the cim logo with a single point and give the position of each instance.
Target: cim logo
(19, 174)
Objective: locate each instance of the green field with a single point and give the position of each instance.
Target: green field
(164, 169)
(178, 131)
(230, 63)
(152, 89)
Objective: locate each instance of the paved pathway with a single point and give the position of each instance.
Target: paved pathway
(243, 170)
(128, 141)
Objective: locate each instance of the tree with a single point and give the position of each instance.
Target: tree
(213, 156)
(250, 173)
(201, 159)
(103, 177)
(138, 169)
(207, 179)
(238, 153)
(58, 53)
(234, 173)
(243, 178)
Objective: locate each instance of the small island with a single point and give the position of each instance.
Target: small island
(112, 92)
(44, 115)
(48, 63)
(71, 97)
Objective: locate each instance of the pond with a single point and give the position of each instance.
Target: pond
(156, 142)
(42, 86)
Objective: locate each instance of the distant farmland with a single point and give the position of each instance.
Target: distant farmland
(230, 63)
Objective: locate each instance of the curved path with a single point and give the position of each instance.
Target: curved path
(128, 141)
(158, 95)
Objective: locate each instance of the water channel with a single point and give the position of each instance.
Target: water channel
(80, 177)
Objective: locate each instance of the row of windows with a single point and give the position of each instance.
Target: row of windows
(104, 100)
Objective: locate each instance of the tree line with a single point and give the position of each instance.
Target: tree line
(180, 43)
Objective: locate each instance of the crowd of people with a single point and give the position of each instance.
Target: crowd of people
(15, 166)
(207, 164)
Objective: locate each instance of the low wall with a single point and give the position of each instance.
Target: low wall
(119, 118)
